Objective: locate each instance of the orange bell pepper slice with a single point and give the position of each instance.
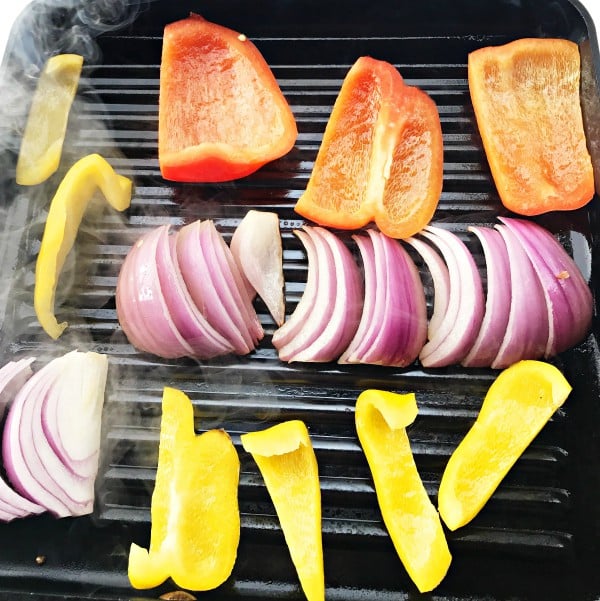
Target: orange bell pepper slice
(410, 518)
(221, 112)
(516, 407)
(195, 514)
(287, 462)
(526, 100)
(381, 157)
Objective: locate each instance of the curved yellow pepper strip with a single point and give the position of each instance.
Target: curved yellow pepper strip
(64, 217)
(42, 143)
(410, 518)
(195, 514)
(516, 407)
(287, 462)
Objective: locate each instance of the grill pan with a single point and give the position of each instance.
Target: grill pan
(537, 538)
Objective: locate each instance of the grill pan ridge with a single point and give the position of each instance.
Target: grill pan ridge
(538, 536)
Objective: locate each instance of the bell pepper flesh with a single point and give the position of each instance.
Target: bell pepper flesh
(381, 157)
(43, 138)
(221, 112)
(410, 518)
(516, 407)
(287, 462)
(526, 100)
(64, 218)
(195, 515)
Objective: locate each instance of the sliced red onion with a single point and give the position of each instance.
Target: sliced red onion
(568, 298)
(498, 299)
(205, 341)
(441, 282)
(215, 287)
(527, 329)
(13, 377)
(335, 314)
(399, 321)
(295, 323)
(208, 290)
(375, 278)
(257, 250)
(456, 334)
(32, 464)
(76, 442)
(141, 306)
(18, 450)
(234, 280)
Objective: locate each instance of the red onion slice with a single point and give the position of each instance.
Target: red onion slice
(234, 280)
(441, 283)
(568, 298)
(399, 315)
(76, 442)
(257, 250)
(13, 377)
(527, 329)
(294, 324)
(32, 463)
(18, 448)
(337, 304)
(205, 341)
(322, 305)
(456, 334)
(373, 305)
(141, 307)
(498, 299)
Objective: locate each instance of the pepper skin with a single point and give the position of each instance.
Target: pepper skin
(195, 514)
(526, 100)
(411, 519)
(64, 218)
(287, 462)
(221, 112)
(43, 138)
(516, 407)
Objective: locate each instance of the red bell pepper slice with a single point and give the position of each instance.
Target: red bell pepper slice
(221, 112)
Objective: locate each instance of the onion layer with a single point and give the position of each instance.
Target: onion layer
(498, 299)
(51, 439)
(184, 296)
(13, 377)
(458, 330)
(327, 317)
(393, 326)
(569, 301)
(256, 248)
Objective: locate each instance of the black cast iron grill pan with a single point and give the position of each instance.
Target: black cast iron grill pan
(536, 538)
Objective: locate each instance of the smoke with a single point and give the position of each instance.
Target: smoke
(86, 286)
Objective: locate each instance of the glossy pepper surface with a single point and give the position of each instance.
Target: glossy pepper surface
(516, 407)
(526, 100)
(287, 462)
(381, 157)
(221, 112)
(43, 138)
(195, 514)
(410, 518)
(62, 224)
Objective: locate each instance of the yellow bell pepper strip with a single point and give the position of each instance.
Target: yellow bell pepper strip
(44, 135)
(287, 462)
(516, 407)
(64, 217)
(410, 518)
(195, 514)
